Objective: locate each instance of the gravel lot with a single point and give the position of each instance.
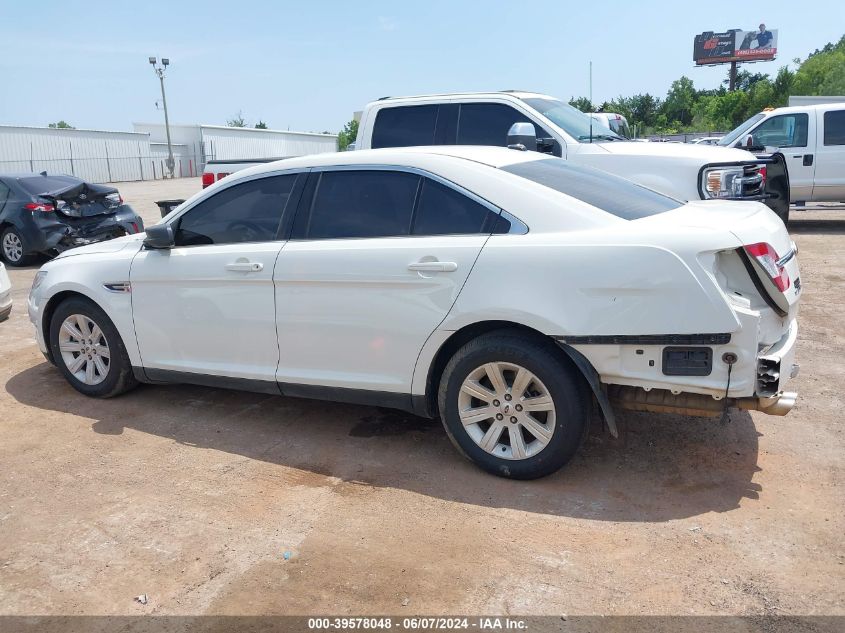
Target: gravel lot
(193, 495)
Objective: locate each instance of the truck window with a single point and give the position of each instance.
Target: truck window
(785, 130)
(834, 127)
(404, 126)
(488, 123)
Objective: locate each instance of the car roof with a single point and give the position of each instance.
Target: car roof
(519, 94)
(33, 174)
(403, 156)
(802, 108)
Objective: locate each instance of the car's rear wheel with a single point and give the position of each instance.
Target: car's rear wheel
(88, 350)
(13, 248)
(511, 405)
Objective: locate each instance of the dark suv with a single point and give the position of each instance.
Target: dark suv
(47, 213)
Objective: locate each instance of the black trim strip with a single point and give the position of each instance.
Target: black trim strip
(206, 380)
(758, 283)
(647, 339)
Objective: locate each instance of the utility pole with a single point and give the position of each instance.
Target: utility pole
(732, 78)
(159, 70)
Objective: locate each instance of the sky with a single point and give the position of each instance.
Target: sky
(308, 66)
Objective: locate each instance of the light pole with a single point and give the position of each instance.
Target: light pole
(159, 70)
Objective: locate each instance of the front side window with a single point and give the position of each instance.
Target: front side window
(404, 126)
(361, 203)
(489, 123)
(785, 130)
(247, 212)
(607, 192)
(443, 211)
(834, 127)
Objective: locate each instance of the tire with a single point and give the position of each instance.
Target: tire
(110, 372)
(557, 433)
(13, 248)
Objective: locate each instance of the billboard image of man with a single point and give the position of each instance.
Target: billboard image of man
(764, 37)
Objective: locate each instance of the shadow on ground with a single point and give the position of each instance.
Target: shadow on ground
(663, 467)
(816, 227)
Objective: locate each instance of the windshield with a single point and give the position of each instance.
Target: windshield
(607, 192)
(731, 137)
(572, 121)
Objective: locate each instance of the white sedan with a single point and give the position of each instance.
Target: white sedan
(5, 294)
(504, 291)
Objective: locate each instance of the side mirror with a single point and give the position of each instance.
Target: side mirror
(160, 236)
(522, 136)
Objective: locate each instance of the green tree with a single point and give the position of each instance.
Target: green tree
(347, 135)
(61, 125)
(261, 125)
(822, 73)
(680, 101)
(237, 121)
(582, 103)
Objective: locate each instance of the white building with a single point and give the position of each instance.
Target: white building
(195, 144)
(108, 156)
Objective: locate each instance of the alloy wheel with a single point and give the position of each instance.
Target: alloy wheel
(12, 246)
(84, 349)
(507, 410)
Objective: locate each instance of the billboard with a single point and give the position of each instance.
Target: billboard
(735, 45)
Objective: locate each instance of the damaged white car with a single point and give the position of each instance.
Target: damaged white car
(504, 291)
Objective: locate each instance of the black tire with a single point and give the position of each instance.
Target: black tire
(118, 377)
(10, 232)
(563, 382)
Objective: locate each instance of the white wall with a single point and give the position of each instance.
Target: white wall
(93, 155)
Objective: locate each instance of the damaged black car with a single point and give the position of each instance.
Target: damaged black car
(50, 213)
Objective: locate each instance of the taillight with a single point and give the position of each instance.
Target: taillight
(207, 179)
(767, 257)
(222, 176)
(763, 174)
(134, 227)
(38, 206)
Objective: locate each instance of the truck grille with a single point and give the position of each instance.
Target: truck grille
(752, 181)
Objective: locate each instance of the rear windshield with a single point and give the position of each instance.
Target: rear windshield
(36, 185)
(607, 192)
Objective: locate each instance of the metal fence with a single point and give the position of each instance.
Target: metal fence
(110, 168)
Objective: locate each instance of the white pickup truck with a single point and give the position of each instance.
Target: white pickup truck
(685, 172)
(812, 140)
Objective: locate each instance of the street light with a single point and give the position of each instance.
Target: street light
(159, 70)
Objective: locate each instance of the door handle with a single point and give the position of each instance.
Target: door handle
(433, 267)
(796, 156)
(245, 267)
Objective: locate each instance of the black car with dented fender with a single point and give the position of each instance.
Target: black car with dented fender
(43, 213)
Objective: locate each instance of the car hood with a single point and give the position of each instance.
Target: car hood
(107, 246)
(705, 153)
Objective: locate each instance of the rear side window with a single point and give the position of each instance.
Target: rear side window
(604, 191)
(405, 126)
(443, 211)
(834, 127)
(248, 212)
(360, 203)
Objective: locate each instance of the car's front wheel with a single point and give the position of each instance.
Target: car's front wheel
(88, 350)
(13, 248)
(513, 406)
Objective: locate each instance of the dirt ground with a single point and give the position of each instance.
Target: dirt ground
(193, 496)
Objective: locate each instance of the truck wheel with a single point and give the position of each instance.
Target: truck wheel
(88, 349)
(512, 406)
(13, 248)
